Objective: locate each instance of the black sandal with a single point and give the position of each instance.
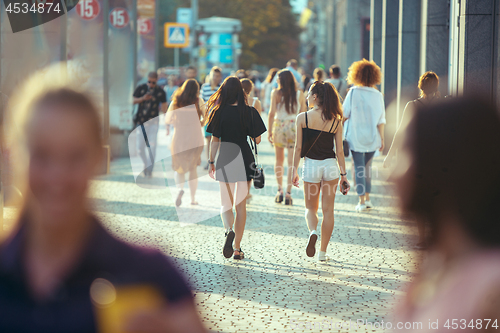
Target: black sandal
(227, 250)
(279, 197)
(288, 199)
(239, 256)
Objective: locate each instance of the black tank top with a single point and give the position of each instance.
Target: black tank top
(323, 147)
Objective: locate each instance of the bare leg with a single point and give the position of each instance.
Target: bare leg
(289, 172)
(278, 167)
(328, 190)
(311, 198)
(193, 183)
(226, 210)
(179, 180)
(241, 212)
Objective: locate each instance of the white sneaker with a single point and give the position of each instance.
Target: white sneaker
(368, 204)
(322, 256)
(361, 207)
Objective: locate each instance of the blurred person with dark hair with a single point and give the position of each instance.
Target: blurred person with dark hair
(286, 102)
(459, 281)
(266, 88)
(186, 114)
(60, 269)
(364, 111)
(149, 96)
(429, 93)
(320, 172)
(231, 120)
(249, 89)
(207, 90)
(338, 81)
(307, 82)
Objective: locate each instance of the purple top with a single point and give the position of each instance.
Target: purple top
(69, 308)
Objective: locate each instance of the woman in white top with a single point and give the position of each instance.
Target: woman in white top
(364, 111)
(248, 88)
(286, 102)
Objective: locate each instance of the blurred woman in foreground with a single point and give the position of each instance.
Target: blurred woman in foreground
(439, 183)
(58, 254)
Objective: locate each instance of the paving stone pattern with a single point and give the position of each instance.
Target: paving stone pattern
(276, 287)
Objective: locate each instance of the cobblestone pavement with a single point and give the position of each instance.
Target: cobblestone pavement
(276, 287)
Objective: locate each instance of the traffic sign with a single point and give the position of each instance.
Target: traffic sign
(88, 9)
(176, 35)
(144, 25)
(119, 17)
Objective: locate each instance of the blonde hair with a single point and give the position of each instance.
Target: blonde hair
(48, 87)
(364, 73)
(319, 74)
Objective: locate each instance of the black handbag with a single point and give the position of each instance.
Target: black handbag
(258, 176)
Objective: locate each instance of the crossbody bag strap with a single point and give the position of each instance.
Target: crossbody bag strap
(324, 126)
(253, 144)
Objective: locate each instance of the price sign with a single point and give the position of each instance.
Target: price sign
(144, 26)
(88, 9)
(119, 17)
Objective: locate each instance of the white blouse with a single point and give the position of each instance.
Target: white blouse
(365, 110)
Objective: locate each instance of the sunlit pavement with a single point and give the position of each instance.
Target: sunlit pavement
(276, 287)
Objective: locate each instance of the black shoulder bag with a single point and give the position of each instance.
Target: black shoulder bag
(258, 176)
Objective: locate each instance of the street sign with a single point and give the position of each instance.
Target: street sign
(185, 15)
(176, 35)
(144, 25)
(88, 9)
(119, 17)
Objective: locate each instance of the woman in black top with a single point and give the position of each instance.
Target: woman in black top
(317, 129)
(231, 120)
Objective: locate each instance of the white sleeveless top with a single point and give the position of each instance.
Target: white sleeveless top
(281, 113)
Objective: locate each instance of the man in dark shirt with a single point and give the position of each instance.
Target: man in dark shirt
(149, 96)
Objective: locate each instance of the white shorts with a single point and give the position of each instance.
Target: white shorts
(314, 171)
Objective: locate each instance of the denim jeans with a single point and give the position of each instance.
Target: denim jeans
(362, 171)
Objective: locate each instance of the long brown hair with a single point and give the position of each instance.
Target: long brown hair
(187, 94)
(288, 89)
(228, 93)
(328, 100)
(247, 85)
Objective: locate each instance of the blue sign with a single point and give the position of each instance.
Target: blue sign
(226, 56)
(177, 35)
(225, 39)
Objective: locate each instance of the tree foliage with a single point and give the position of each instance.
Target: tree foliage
(269, 33)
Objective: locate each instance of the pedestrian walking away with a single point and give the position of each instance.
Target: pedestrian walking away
(231, 120)
(266, 88)
(429, 94)
(249, 89)
(338, 81)
(150, 98)
(319, 142)
(286, 102)
(207, 90)
(364, 112)
(186, 114)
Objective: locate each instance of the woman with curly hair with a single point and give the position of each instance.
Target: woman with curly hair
(364, 113)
